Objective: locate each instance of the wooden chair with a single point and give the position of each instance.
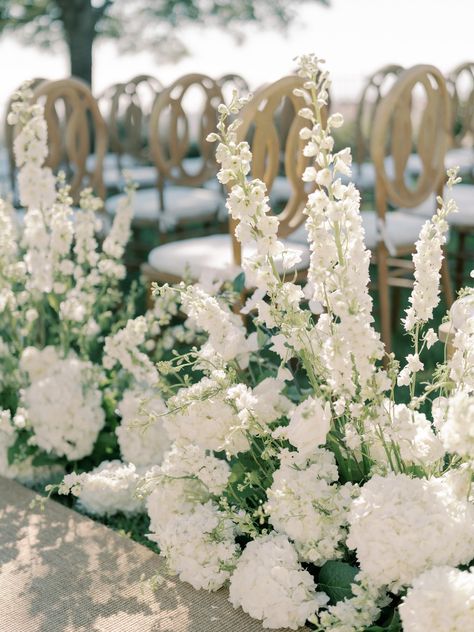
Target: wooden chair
(374, 90)
(231, 81)
(220, 255)
(127, 108)
(461, 153)
(396, 231)
(180, 198)
(75, 129)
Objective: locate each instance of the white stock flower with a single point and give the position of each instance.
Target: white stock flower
(440, 600)
(270, 585)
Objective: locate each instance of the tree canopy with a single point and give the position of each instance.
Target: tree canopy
(136, 24)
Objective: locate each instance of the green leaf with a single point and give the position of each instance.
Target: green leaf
(335, 579)
(239, 283)
(43, 458)
(394, 625)
(53, 302)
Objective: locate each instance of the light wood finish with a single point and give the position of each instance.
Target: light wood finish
(170, 130)
(373, 92)
(461, 83)
(258, 125)
(128, 116)
(230, 82)
(394, 134)
(9, 133)
(70, 133)
(272, 152)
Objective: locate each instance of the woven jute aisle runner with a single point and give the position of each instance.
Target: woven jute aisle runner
(61, 572)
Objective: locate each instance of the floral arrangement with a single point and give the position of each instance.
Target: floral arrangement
(295, 473)
(63, 401)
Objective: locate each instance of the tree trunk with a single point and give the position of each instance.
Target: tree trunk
(79, 20)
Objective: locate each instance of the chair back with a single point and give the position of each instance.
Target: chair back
(413, 116)
(461, 84)
(228, 83)
(75, 126)
(374, 90)
(270, 157)
(129, 115)
(182, 117)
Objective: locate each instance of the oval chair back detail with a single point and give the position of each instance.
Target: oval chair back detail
(273, 153)
(415, 112)
(461, 81)
(72, 132)
(220, 254)
(171, 127)
(373, 92)
(128, 121)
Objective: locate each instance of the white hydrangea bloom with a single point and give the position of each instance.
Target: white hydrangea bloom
(269, 584)
(185, 479)
(402, 526)
(455, 422)
(64, 404)
(305, 504)
(200, 547)
(440, 600)
(270, 404)
(106, 490)
(143, 440)
(309, 424)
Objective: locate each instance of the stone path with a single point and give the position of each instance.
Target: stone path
(62, 572)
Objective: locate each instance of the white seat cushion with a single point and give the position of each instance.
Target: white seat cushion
(181, 203)
(142, 175)
(463, 194)
(462, 157)
(203, 255)
(401, 229)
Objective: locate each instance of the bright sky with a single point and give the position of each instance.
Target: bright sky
(354, 36)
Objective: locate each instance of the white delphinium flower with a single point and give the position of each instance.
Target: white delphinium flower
(257, 231)
(338, 274)
(306, 504)
(8, 236)
(142, 438)
(269, 402)
(227, 334)
(461, 364)
(270, 584)
(203, 414)
(440, 600)
(427, 258)
(64, 405)
(36, 186)
(402, 526)
(200, 547)
(455, 423)
(399, 436)
(123, 348)
(106, 490)
(309, 425)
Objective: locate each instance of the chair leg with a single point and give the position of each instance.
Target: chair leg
(446, 284)
(460, 259)
(384, 297)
